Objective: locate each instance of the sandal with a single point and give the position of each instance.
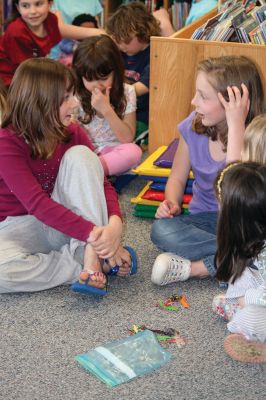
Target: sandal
(134, 263)
(83, 286)
(240, 349)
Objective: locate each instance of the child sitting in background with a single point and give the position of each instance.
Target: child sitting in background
(67, 46)
(131, 26)
(229, 94)
(59, 215)
(109, 105)
(32, 31)
(241, 258)
(254, 148)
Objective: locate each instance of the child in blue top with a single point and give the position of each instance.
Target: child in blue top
(131, 26)
(229, 94)
(67, 46)
(69, 10)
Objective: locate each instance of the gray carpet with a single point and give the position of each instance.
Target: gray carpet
(42, 332)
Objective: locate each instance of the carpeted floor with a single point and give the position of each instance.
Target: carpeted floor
(42, 332)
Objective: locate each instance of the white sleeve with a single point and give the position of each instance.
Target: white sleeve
(131, 98)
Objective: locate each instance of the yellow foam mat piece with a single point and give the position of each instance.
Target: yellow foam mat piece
(139, 200)
(147, 167)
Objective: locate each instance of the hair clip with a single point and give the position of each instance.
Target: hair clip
(221, 177)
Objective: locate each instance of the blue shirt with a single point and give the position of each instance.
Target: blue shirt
(137, 69)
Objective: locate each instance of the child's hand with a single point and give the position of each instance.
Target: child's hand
(106, 239)
(121, 257)
(236, 109)
(101, 101)
(167, 209)
(241, 301)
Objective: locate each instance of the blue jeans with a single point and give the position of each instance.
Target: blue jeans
(190, 236)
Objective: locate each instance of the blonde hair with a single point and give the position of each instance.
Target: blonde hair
(255, 140)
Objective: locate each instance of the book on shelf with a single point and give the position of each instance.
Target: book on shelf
(241, 21)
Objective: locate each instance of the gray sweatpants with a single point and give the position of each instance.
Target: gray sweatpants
(34, 256)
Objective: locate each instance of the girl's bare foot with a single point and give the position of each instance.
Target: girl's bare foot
(95, 279)
(92, 273)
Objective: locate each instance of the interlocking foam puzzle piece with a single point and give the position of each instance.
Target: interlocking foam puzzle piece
(165, 160)
(144, 207)
(147, 167)
(160, 186)
(151, 194)
(139, 200)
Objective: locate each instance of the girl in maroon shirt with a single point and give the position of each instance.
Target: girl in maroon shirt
(58, 213)
(32, 32)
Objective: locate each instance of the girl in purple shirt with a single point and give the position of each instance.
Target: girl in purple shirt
(229, 93)
(59, 216)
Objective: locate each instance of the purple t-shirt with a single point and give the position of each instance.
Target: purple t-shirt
(204, 168)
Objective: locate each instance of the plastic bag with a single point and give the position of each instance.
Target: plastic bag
(125, 359)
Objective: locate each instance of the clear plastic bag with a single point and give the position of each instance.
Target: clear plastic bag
(125, 359)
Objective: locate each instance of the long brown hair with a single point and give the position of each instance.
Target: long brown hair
(225, 71)
(133, 19)
(241, 231)
(95, 58)
(33, 105)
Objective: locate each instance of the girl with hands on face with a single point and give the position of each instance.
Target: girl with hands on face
(108, 104)
(229, 94)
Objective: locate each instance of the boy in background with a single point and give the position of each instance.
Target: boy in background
(131, 27)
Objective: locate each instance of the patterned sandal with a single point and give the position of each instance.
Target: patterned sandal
(240, 349)
(83, 286)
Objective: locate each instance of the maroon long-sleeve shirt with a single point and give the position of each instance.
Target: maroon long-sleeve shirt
(26, 184)
(19, 43)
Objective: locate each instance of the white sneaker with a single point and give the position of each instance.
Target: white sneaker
(169, 268)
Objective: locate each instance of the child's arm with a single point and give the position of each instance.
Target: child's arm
(163, 17)
(236, 110)
(255, 297)
(176, 183)
(140, 88)
(75, 32)
(124, 128)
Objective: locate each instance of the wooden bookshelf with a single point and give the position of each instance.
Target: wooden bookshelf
(172, 76)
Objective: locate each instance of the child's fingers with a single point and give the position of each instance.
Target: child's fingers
(95, 234)
(222, 99)
(245, 95)
(108, 90)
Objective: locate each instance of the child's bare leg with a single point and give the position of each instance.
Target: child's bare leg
(92, 272)
(198, 269)
(122, 259)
